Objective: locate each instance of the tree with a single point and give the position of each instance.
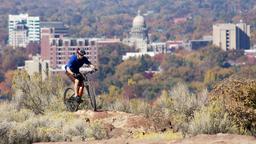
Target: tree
(6, 85)
(33, 49)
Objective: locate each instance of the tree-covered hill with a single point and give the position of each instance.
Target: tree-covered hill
(114, 17)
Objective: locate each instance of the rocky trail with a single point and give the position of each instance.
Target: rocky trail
(125, 128)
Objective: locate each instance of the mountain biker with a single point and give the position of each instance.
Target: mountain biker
(72, 71)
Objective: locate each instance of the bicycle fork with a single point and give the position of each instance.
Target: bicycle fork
(88, 91)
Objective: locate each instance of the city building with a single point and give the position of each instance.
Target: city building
(158, 47)
(57, 27)
(231, 36)
(17, 36)
(137, 55)
(103, 43)
(139, 34)
(139, 39)
(58, 49)
(50, 30)
(37, 65)
(197, 44)
(173, 45)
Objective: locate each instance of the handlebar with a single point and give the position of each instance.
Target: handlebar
(90, 72)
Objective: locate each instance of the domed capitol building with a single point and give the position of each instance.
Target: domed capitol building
(138, 38)
(138, 35)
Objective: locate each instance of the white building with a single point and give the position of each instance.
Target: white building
(158, 47)
(30, 22)
(19, 36)
(137, 55)
(37, 65)
(231, 36)
(174, 45)
(138, 35)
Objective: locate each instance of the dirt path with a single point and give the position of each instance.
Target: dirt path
(122, 126)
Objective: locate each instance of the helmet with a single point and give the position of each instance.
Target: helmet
(80, 52)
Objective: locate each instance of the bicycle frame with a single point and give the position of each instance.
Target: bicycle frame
(73, 105)
(85, 84)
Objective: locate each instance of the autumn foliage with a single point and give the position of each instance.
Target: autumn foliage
(239, 98)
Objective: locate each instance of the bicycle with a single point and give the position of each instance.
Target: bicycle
(69, 93)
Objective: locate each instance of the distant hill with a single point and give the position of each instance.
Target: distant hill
(114, 17)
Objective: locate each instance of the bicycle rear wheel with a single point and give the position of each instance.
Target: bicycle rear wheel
(92, 95)
(69, 100)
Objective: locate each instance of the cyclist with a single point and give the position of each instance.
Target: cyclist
(72, 71)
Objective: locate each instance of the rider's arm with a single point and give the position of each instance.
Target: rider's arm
(89, 64)
(69, 71)
(69, 64)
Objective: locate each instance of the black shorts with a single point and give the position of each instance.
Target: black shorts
(80, 78)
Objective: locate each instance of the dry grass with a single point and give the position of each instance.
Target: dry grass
(23, 126)
(158, 136)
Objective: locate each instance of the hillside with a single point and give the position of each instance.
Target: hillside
(135, 129)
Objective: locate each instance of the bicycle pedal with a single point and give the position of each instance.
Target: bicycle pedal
(80, 101)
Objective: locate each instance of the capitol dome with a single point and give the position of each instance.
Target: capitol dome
(138, 21)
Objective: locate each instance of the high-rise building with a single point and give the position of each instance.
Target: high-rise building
(231, 36)
(50, 30)
(57, 27)
(19, 36)
(58, 48)
(32, 24)
(62, 49)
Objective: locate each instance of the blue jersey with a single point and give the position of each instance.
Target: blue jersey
(74, 63)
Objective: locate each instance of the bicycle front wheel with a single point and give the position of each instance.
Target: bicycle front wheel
(92, 95)
(69, 100)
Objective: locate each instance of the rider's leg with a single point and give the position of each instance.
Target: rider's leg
(76, 87)
(81, 89)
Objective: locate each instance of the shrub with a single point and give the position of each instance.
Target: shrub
(75, 128)
(24, 127)
(8, 112)
(184, 104)
(20, 134)
(138, 106)
(164, 101)
(117, 103)
(161, 110)
(97, 131)
(239, 98)
(211, 119)
(5, 127)
(37, 95)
